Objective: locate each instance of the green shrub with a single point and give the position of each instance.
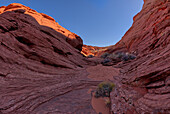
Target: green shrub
(125, 58)
(116, 57)
(113, 56)
(105, 61)
(131, 56)
(128, 57)
(104, 89)
(104, 55)
(90, 56)
(120, 55)
(108, 102)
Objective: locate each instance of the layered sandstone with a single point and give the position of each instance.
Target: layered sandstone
(93, 50)
(46, 20)
(146, 86)
(39, 71)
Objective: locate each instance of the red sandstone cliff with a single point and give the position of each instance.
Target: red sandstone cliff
(46, 20)
(40, 72)
(149, 38)
(93, 50)
(149, 29)
(145, 82)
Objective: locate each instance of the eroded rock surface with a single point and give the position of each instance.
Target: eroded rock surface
(39, 71)
(93, 50)
(150, 71)
(43, 19)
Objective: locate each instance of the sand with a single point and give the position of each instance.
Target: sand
(101, 73)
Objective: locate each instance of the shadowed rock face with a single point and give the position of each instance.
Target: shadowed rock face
(150, 29)
(39, 71)
(150, 71)
(46, 20)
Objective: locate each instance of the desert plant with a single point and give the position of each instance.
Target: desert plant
(90, 56)
(113, 56)
(131, 56)
(125, 58)
(108, 102)
(104, 55)
(128, 56)
(104, 89)
(105, 61)
(120, 54)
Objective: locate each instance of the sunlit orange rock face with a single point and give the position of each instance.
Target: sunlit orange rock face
(40, 72)
(46, 20)
(93, 50)
(149, 39)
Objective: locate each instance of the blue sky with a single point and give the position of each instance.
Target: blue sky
(98, 22)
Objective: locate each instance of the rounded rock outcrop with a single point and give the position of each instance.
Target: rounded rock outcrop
(43, 19)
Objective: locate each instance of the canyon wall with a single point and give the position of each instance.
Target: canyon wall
(46, 20)
(43, 71)
(149, 39)
(150, 29)
(40, 72)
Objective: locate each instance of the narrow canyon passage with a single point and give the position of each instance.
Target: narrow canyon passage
(101, 73)
(43, 71)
